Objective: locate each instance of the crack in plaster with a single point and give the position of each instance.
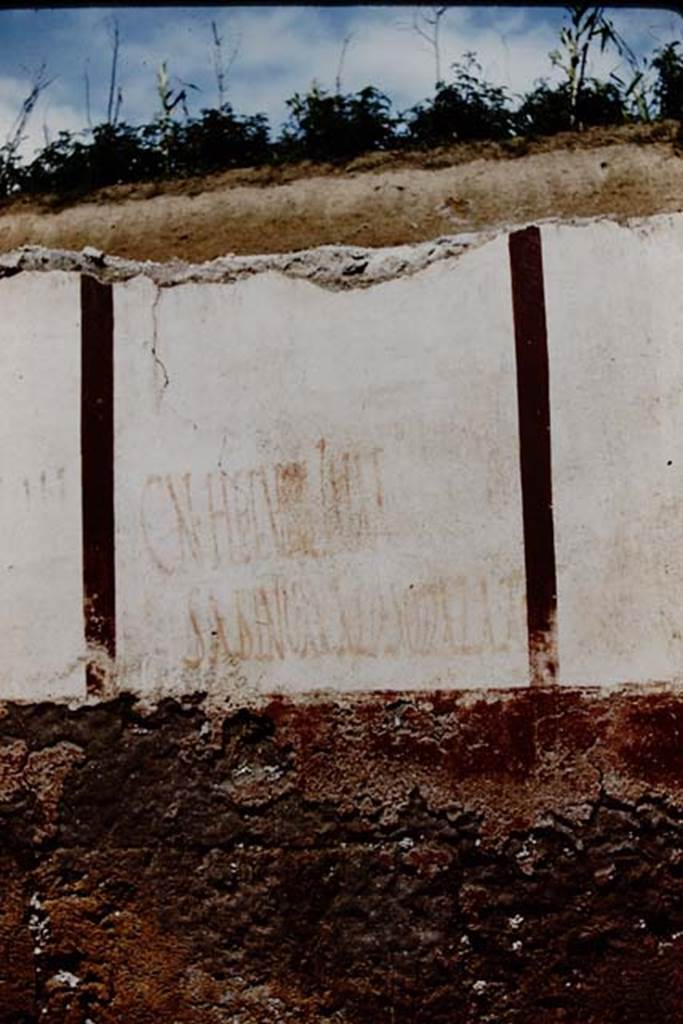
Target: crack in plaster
(155, 344)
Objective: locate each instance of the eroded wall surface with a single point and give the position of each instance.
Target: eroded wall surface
(270, 749)
(397, 858)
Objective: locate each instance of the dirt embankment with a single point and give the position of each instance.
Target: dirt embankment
(379, 200)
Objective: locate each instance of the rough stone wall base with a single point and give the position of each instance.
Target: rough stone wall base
(389, 859)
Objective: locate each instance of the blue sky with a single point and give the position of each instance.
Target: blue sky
(281, 51)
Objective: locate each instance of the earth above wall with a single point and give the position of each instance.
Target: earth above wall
(382, 199)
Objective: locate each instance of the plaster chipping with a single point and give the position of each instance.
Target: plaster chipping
(334, 267)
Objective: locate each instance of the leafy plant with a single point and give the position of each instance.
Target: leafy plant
(115, 154)
(587, 25)
(549, 109)
(466, 109)
(335, 127)
(219, 139)
(668, 89)
(169, 99)
(638, 90)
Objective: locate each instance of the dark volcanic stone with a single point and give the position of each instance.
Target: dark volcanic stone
(396, 859)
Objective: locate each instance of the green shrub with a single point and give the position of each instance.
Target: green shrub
(668, 89)
(469, 108)
(336, 127)
(121, 154)
(11, 174)
(116, 154)
(547, 109)
(218, 139)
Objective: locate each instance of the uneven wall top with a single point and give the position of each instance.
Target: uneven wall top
(455, 465)
(338, 267)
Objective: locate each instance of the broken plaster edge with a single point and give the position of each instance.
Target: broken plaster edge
(336, 267)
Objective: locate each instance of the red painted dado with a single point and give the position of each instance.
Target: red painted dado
(393, 857)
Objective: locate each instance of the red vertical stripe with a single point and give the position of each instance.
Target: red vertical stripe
(533, 397)
(97, 469)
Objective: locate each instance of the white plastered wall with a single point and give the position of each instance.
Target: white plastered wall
(614, 299)
(319, 488)
(41, 577)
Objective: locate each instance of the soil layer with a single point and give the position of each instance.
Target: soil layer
(379, 200)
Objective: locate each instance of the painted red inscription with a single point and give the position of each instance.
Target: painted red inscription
(314, 507)
(309, 617)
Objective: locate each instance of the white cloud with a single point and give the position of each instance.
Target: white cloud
(52, 113)
(285, 51)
